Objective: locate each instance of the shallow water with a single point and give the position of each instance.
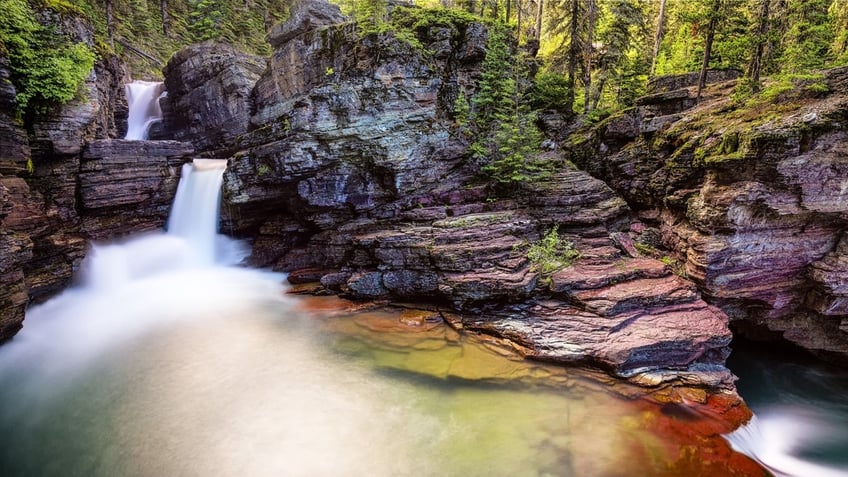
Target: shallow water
(167, 360)
(225, 376)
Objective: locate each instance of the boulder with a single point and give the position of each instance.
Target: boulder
(208, 101)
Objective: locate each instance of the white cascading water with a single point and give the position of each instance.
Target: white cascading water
(776, 437)
(143, 100)
(130, 287)
(194, 216)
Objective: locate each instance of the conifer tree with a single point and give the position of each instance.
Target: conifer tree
(809, 38)
(760, 37)
(508, 139)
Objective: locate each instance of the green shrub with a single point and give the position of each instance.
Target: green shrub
(550, 92)
(47, 68)
(551, 253)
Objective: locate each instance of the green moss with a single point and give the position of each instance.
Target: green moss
(677, 267)
(473, 220)
(646, 249)
(417, 19)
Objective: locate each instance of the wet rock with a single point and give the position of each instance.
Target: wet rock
(366, 284)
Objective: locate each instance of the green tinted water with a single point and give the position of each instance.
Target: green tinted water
(290, 393)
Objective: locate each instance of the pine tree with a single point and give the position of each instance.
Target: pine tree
(715, 13)
(760, 38)
(508, 139)
(809, 38)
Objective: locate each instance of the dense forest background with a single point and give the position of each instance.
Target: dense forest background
(592, 56)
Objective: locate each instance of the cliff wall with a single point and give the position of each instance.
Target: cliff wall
(749, 196)
(347, 169)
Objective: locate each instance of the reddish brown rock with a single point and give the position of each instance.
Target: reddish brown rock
(752, 203)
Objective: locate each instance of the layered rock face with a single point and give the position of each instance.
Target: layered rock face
(208, 99)
(64, 183)
(351, 172)
(753, 202)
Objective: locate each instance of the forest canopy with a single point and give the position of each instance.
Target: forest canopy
(596, 55)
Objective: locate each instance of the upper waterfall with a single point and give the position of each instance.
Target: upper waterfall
(143, 101)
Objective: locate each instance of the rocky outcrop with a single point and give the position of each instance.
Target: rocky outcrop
(14, 146)
(353, 173)
(753, 204)
(15, 244)
(208, 101)
(127, 186)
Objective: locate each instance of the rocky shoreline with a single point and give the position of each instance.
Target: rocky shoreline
(348, 170)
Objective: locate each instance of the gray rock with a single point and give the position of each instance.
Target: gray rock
(305, 16)
(208, 101)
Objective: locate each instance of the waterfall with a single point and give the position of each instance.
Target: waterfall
(129, 287)
(194, 215)
(143, 101)
(780, 440)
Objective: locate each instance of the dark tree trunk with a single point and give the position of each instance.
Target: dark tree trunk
(658, 37)
(539, 20)
(588, 49)
(163, 7)
(759, 45)
(708, 47)
(110, 28)
(573, 53)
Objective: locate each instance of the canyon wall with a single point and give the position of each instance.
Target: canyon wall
(348, 170)
(750, 198)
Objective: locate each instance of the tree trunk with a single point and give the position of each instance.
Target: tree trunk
(708, 47)
(539, 20)
(599, 91)
(507, 11)
(110, 28)
(518, 15)
(658, 37)
(759, 46)
(163, 7)
(573, 54)
(588, 49)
